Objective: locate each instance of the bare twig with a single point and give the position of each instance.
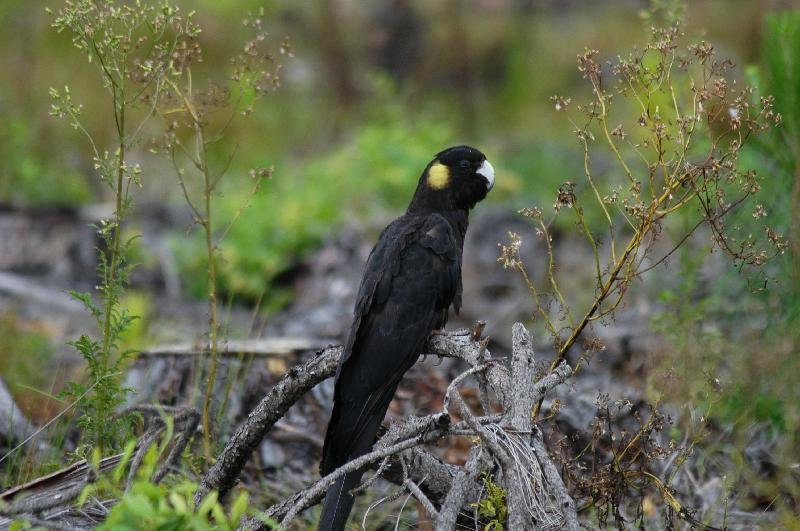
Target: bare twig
(415, 491)
(485, 435)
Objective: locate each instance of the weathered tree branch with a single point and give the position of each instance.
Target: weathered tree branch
(224, 474)
(448, 515)
(460, 344)
(414, 489)
(519, 419)
(424, 433)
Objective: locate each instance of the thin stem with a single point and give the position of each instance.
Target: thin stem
(200, 160)
(550, 277)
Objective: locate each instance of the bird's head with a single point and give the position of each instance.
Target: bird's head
(456, 179)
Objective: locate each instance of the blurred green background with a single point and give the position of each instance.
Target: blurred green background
(373, 90)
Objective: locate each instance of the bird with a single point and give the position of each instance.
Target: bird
(411, 278)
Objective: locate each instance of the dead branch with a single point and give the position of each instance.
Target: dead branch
(459, 344)
(37, 504)
(483, 433)
(522, 372)
(424, 433)
(466, 478)
(419, 431)
(224, 474)
(553, 478)
(433, 476)
(184, 421)
(267, 347)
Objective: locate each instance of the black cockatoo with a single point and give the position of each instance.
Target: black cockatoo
(412, 277)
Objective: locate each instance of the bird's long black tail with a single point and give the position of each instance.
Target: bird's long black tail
(351, 434)
(339, 502)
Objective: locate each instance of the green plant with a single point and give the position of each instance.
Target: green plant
(675, 136)
(194, 131)
(779, 75)
(673, 122)
(492, 506)
(144, 505)
(147, 506)
(132, 46)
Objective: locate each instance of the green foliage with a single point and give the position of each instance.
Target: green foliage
(300, 206)
(104, 357)
(30, 178)
(762, 406)
(778, 77)
(100, 399)
(492, 506)
(147, 506)
(134, 48)
(781, 74)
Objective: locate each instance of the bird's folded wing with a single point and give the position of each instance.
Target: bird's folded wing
(414, 278)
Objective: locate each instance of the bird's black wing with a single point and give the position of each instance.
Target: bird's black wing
(409, 282)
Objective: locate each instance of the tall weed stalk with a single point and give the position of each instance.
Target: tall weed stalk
(132, 46)
(197, 120)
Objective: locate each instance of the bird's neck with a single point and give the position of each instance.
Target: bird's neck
(458, 218)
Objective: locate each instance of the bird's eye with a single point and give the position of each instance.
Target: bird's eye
(464, 164)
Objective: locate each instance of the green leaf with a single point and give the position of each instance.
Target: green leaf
(239, 507)
(178, 502)
(218, 513)
(208, 503)
(140, 505)
(120, 469)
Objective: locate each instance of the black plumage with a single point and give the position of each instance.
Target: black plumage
(412, 277)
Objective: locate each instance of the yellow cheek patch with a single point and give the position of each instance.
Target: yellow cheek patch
(438, 176)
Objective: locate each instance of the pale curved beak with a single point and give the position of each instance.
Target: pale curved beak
(487, 170)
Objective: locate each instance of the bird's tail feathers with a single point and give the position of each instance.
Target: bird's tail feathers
(339, 502)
